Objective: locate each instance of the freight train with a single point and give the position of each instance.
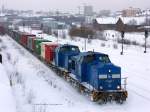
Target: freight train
(92, 73)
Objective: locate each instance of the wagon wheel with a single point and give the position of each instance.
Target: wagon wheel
(94, 96)
(81, 89)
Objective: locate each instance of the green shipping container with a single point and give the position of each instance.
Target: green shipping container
(16, 36)
(37, 43)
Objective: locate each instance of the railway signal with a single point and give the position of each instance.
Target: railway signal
(122, 36)
(146, 36)
(0, 58)
(85, 42)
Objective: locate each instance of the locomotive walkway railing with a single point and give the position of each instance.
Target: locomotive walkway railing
(124, 83)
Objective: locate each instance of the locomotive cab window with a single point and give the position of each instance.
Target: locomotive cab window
(104, 59)
(89, 58)
(65, 49)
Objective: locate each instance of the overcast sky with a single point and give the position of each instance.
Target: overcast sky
(71, 5)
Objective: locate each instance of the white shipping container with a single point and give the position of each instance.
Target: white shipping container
(43, 48)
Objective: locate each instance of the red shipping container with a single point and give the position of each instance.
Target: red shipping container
(50, 51)
(2, 30)
(24, 39)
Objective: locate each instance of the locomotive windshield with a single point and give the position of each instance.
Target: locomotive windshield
(91, 58)
(68, 48)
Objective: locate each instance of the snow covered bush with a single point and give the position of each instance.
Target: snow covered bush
(89, 41)
(81, 32)
(135, 43)
(148, 46)
(125, 41)
(4, 47)
(115, 46)
(20, 79)
(30, 97)
(0, 40)
(100, 35)
(103, 45)
(132, 22)
(8, 56)
(119, 40)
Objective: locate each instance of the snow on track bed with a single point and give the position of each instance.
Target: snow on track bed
(6, 94)
(7, 100)
(38, 84)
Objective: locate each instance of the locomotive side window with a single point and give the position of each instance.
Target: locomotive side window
(65, 49)
(75, 49)
(73, 65)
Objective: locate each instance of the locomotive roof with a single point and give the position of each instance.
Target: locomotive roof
(90, 53)
(87, 53)
(69, 45)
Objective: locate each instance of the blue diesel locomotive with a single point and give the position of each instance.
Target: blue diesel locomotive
(97, 74)
(63, 54)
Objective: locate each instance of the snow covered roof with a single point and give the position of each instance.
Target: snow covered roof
(139, 20)
(126, 20)
(107, 20)
(48, 19)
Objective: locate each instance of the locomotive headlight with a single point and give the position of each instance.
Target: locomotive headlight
(69, 61)
(118, 87)
(101, 87)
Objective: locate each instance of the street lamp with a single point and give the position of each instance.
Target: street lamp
(23, 26)
(122, 36)
(146, 36)
(0, 58)
(85, 42)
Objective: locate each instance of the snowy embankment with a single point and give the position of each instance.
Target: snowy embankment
(34, 83)
(7, 101)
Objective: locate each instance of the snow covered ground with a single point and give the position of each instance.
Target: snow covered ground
(7, 101)
(132, 37)
(34, 83)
